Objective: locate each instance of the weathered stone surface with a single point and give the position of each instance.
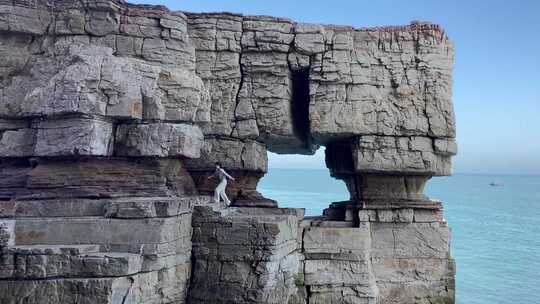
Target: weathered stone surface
(424, 279)
(309, 38)
(415, 155)
(7, 233)
(158, 139)
(369, 83)
(249, 93)
(112, 116)
(19, 19)
(31, 263)
(337, 266)
(13, 125)
(336, 295)
(428, 215)
(336, 241)
(245, 160)
(95, 178)
(405, 215)
(338, 269)
(17, 143)
(395, 216)
(445, 146)
(412, 269)
(59, 290)
(73, 136)
(356, 78)
(215, 32)
(152, 207)
(89, 79)
(244, 255)
(181, 96)
(129, 289)
(410, 155)
(328, 272)
(232, 154)
(131, 233)
(411, 240)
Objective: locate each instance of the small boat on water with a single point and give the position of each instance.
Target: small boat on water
(494, 184)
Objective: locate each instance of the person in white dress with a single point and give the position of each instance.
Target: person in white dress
(219, 193)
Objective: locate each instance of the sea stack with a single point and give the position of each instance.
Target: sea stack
(112, 116)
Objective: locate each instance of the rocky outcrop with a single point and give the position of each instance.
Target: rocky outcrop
(112, 116)
(258, 255)
(125, 250)
(245, 255)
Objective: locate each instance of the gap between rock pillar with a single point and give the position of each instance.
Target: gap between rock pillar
(408, 235)
(386, 173)
(245, 160)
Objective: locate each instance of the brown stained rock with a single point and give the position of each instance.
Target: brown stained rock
(105, 177)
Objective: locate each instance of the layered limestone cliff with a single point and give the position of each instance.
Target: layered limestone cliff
(112, 116)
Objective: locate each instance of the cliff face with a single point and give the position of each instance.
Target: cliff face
(112, 116)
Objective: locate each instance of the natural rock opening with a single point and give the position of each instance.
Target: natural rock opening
(302, 181)
(300, 106)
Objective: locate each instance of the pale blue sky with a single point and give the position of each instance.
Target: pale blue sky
(496, 76)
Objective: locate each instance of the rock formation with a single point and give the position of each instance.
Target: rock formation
(112, 116)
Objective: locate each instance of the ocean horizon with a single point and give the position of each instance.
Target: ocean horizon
(495, 229)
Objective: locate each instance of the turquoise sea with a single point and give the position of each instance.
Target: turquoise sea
(495, 230)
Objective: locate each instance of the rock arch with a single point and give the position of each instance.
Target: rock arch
(113, 114)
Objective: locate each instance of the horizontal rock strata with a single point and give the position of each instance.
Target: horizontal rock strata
(113, 115)
(253, 255)
(97, 251)
(244, 255)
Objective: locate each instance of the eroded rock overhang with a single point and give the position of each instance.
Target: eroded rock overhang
(252, 82)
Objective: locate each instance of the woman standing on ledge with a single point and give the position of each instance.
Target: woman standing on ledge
(220, 189)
